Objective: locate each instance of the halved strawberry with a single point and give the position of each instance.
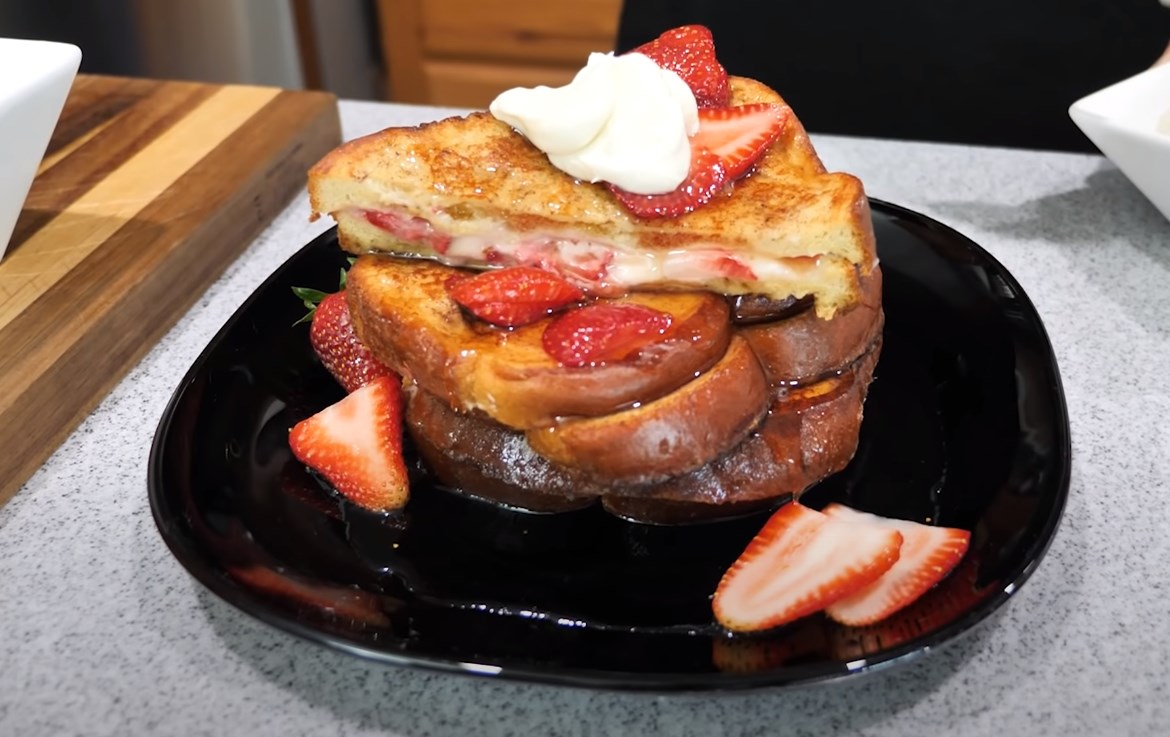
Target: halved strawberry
(689, 52)
(740, 135)
(356, 444)
(333, 340)
(953, 597)
(706, 177)
(799, 563)
(928, 554)
(729, 141)
(603, 332)
(515, 296)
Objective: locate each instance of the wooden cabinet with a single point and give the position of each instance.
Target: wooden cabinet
(465, 52)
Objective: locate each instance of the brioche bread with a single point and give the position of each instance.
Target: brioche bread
(777, 409)
(401, 311)
(799, 348)
(470, 191)
(674, 434)
(807, 434)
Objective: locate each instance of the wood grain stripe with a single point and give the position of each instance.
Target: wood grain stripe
(72, 235)
(77, 339)
(55, 158)
(91, 155)
(94, 100)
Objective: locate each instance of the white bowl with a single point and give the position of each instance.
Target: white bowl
(35, 77)
(1130, 122)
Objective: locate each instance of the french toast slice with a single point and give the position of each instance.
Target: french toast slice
(687, 428)
(401, 311)
(471, 191)
(808, 433)
(803, 347)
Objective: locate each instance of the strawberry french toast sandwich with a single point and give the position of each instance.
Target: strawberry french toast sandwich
(642, 289)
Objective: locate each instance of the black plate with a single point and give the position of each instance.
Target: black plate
(965, 425)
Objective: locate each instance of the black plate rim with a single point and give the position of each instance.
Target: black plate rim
(785, 676)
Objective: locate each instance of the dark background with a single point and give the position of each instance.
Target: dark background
(998, 72)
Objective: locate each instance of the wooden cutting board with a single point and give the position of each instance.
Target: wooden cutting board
(149, 189)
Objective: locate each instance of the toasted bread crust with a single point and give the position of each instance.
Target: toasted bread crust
(669, 436)
(504, 431)
(807, 435)
(805, 347)
(474, 174)
(401, 311)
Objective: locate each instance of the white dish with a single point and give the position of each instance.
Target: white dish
(35, 77)
(1128, 122)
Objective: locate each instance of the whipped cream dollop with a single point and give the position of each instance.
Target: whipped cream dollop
(623, 119)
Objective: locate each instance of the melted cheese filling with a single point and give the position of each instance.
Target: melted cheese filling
(599, 266)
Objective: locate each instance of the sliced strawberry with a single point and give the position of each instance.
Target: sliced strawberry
(720, 263)
(603, 333)
(953, 597)
(689, 52)
(333, 340)
(515, 296)
(728, 143)
(706, 177)
(356, 444)
(414, 230)
(740, 135)
(799, 563)
(928, 554)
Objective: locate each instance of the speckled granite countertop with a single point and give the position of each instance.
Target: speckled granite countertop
(103, 633)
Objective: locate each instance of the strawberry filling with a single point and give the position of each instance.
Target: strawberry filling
(598, 268)
(408, 228)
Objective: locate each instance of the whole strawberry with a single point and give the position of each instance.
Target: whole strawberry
(332, 337)
(689, 52)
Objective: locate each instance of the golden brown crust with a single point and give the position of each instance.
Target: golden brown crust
(475, 173)
(687, 428)
(402, 312)
(805, 347)
(807, 435)
(480, 163)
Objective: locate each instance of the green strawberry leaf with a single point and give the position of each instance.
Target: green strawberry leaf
(312, 297)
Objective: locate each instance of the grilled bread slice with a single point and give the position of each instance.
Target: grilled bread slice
(687, 428)
(402, 313)
(803, 347)
(471, 191)
(809, 433)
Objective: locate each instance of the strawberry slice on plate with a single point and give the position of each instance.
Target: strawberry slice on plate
(689, 52)
(800, 562)
(602, 333)
(928, 554)
(356, 444)
(515, 296)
